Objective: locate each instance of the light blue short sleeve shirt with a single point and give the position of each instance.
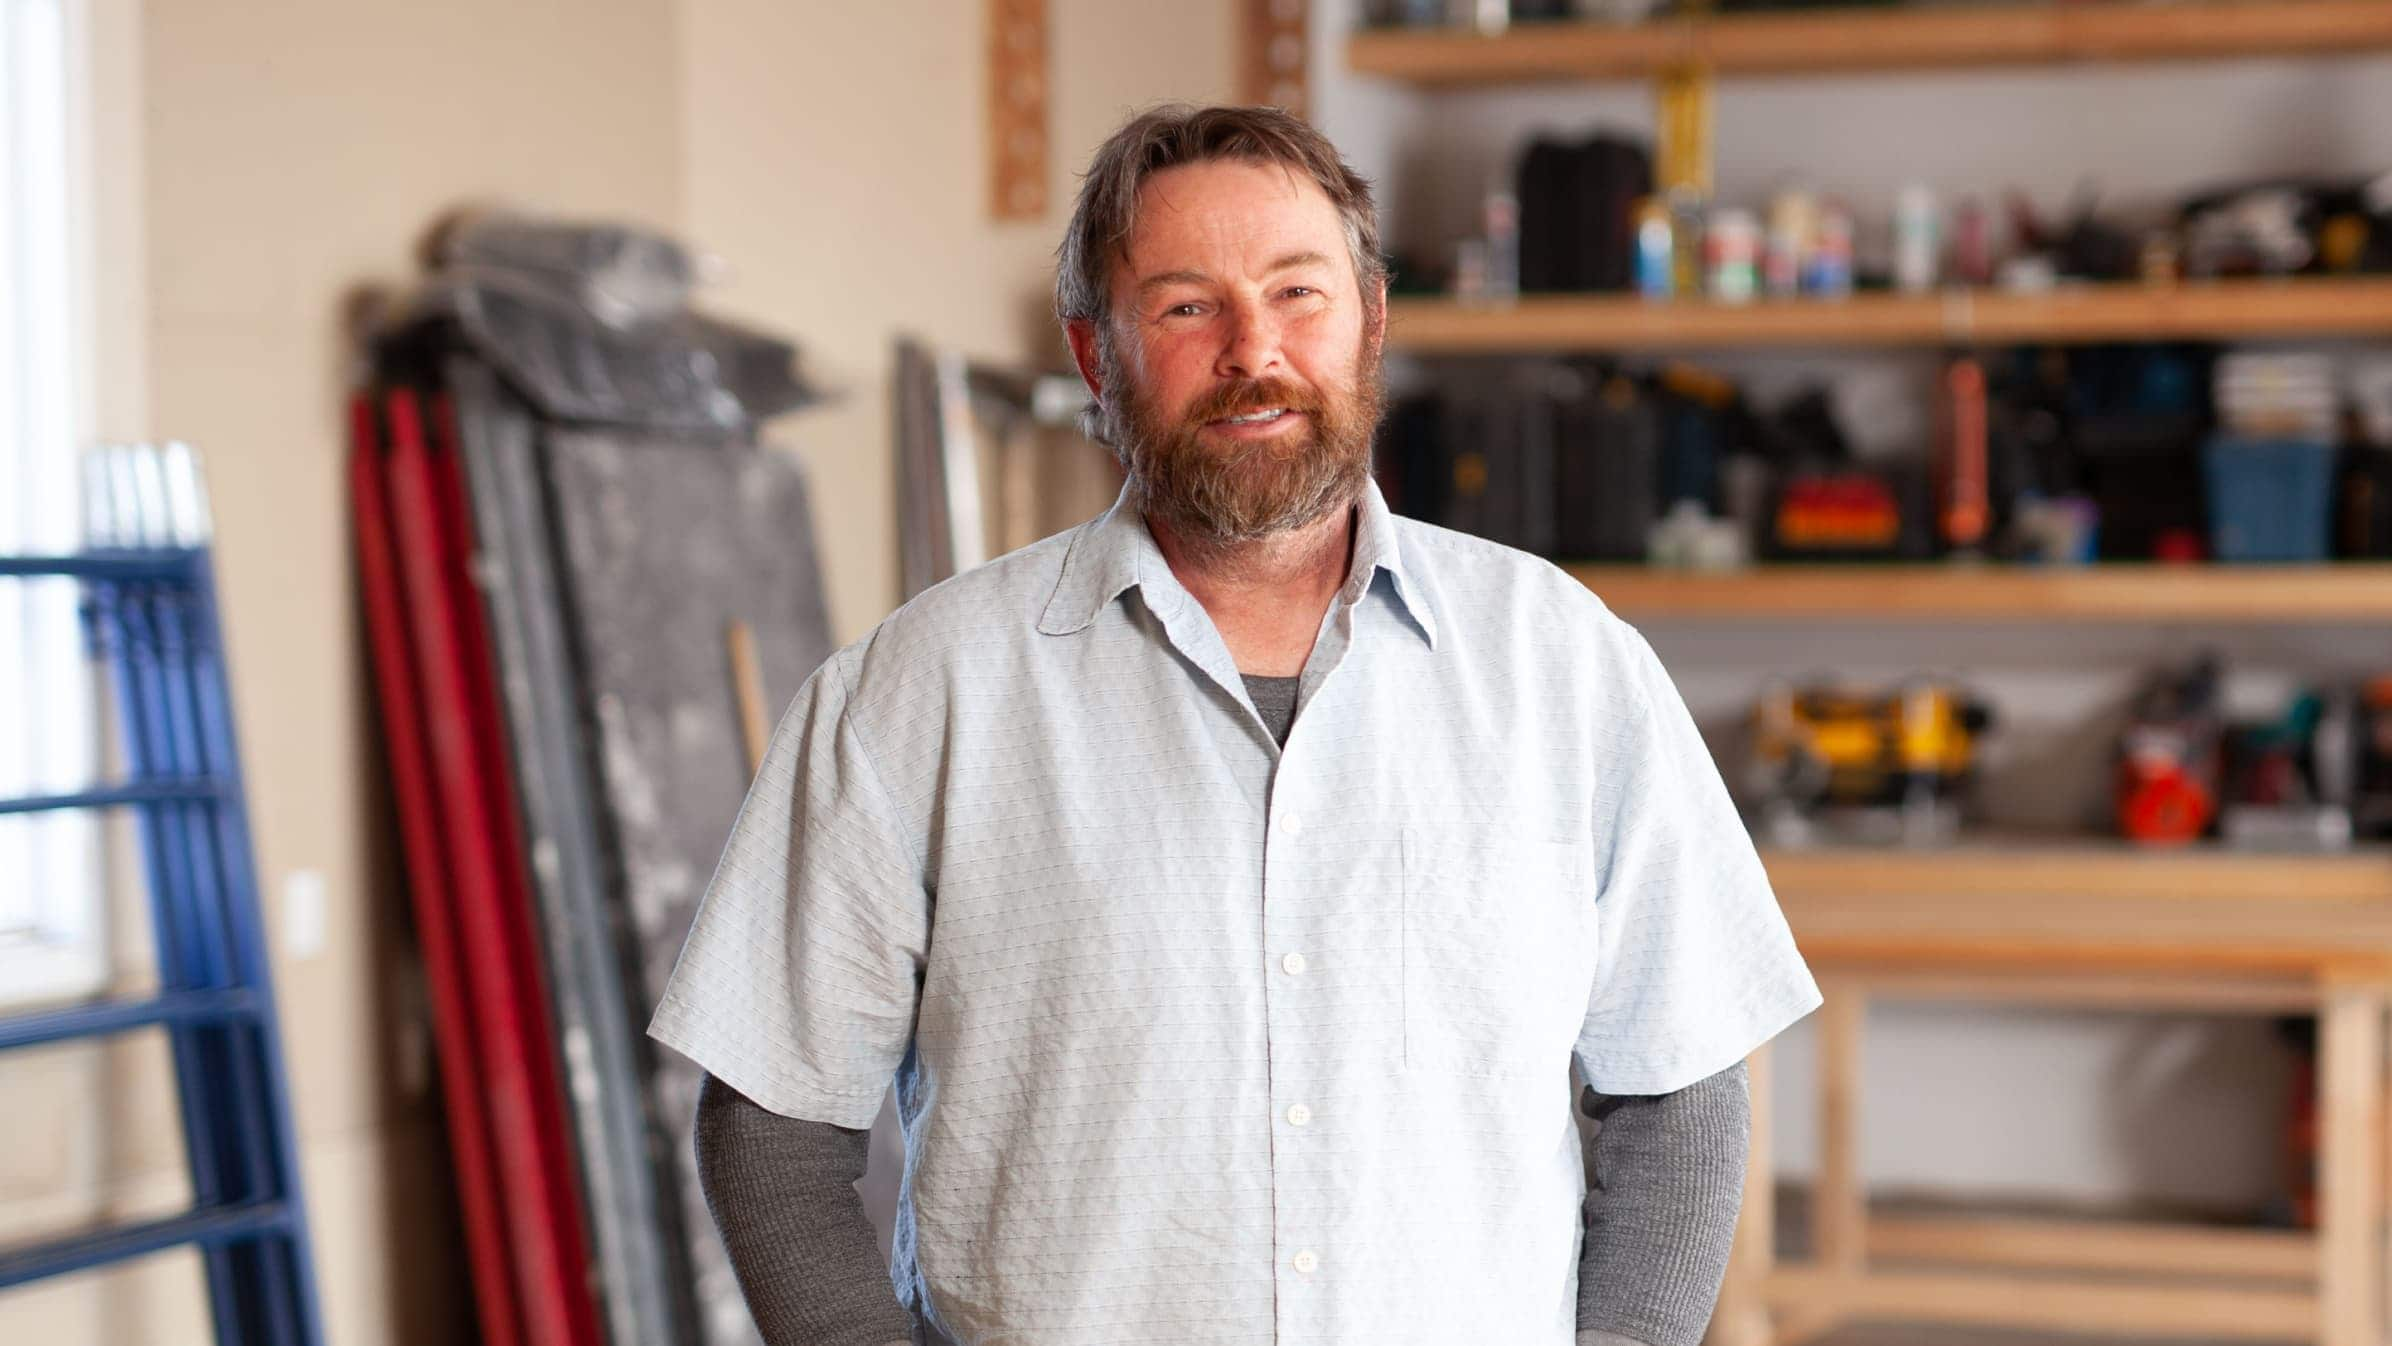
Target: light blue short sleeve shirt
(1205, 1041)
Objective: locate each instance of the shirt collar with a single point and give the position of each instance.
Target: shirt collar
(1115, 551)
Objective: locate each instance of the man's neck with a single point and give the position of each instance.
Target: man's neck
(1266, 597)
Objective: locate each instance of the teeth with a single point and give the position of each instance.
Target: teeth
(1252, 417)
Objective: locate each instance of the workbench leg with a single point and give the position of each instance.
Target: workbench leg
(2350, 1103)
(1840, 1197)
(2380, 1216)
(1742, 1318)
(1840, 1208)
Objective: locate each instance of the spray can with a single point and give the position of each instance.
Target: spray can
(1732, 251)
(1502, 225)
(1793, 227)
(1829, 274)
(1917, 241)
(1656, 250)
(1972, 244)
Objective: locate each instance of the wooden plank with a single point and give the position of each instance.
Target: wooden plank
(2081, 1245)
(2350, 1102)
(2275, 594)
(2052, 1303)
(2044, 933)
(2082, 870)
(1841, 42)
(2195, 310)
(2150, 992)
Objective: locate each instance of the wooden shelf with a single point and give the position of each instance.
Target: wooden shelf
(2088, 903)
(2071, 315)
(2091, 869)
(1845, 42)
(2311, 595)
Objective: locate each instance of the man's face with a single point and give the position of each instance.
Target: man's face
(1244, 360)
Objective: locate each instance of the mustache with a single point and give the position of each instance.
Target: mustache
(1240, 396)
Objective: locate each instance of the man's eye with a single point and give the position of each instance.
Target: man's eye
(1182, 311)
(1300, 291)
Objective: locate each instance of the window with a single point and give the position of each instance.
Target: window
(51, 904)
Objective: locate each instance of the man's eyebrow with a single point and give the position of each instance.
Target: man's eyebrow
(1297, 259)
(1156, 282)
(1288, 263)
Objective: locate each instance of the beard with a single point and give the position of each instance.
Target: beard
(1225, 492)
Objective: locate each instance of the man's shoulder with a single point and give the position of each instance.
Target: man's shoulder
(977, 610)
(1478, 576)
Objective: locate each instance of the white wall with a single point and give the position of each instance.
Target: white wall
(2105, 1107)
(256, 161)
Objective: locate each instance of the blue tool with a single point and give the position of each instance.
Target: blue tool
(150, 614)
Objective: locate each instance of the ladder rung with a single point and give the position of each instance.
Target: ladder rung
(163, 564)
(121, 1016)
(81, 1252)
(116, 796)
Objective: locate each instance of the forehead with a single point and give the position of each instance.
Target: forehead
(1228, 218)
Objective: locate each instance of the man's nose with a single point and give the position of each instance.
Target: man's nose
(1252, 351)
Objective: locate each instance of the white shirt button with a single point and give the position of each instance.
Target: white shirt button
(1291, 823)
(1294, 963)
(1305, 1261)
(1299, 1115)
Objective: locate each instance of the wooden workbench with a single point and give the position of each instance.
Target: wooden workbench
(2085, 925)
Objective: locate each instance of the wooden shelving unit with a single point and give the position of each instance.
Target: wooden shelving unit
(1831, 42)
(2219, 594)
(2038, 920)
(2071, 315)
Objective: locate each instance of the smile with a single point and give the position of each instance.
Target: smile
(1262, 417)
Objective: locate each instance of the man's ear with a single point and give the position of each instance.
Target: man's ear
(1081, 333)
(1378, 320)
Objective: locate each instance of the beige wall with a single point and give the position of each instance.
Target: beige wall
(835, 161)
(293, 149)
(259, 160)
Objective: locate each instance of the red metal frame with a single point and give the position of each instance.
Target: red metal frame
(470, 1141)
(519, 1079)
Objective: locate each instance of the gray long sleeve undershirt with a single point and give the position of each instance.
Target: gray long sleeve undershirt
(1666, 1183)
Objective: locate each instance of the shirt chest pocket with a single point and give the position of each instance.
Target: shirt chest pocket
(1498, 953)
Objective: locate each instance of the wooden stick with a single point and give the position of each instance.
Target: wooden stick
(747, 686)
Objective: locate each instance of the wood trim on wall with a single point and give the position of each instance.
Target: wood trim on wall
(1274, 54)
(1017, 109)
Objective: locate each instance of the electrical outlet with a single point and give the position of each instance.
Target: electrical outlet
(303, 913)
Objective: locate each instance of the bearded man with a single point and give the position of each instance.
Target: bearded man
(1238, 887)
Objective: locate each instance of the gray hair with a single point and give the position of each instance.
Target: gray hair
(1169, 137)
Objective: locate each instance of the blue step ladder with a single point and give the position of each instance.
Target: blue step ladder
(150, 615)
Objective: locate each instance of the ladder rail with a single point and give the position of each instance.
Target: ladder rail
(211, 698)
(151, 617)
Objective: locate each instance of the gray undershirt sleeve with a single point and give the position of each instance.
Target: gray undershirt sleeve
(783, 1194)
(1661, 1210)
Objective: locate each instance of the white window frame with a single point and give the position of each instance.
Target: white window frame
(53, 893)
